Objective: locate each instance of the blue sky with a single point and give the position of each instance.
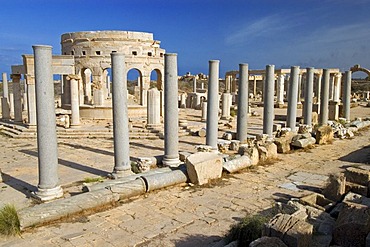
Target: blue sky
(319, 33)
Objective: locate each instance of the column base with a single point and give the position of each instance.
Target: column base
(120, 174)
(45, 195)
(75, 126)
(171, 162)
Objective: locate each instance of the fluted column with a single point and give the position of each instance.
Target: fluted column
(171, 115)
(308, 97)
(212, 105)
(243, 102)
(268, 100)
(48, 187)
(292, 98)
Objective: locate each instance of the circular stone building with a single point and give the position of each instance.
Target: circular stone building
(91, 51)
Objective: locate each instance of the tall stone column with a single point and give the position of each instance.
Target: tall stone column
(331, 87)
(337, 87)
(31, 101)
(48, 187)
(243, 102)
(212, 105)
(5, 107)
(171, 115)
(11, 104)
(226, 104)
(280, 90)
(324, 105)
(153, 108)
(204, 111)
(24, 105)
(299, 100)
(183, 97)
(318, 92)
(87, 74)
(75, 107)
(194, 84)
(308, 96)
(292, 98)
(268, 100)
(17, 98)
(347, 96)
(254, 86)
(227, 83)
(122, 165)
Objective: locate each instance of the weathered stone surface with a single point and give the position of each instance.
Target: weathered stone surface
(316, 200)
(237, 164)
(267, 151)
(251, 152)
(234, 145)
(357, 175)
(203, 148)
(335, 188)
(324, 134)
(202, 132)
(304, 128)
(352, 225)
(303, 143)
(356, 188)
(183, 156)
(202, 167)
(227, 136)
(294, 232)
(223, 145)
(283, 142)
(267, 242)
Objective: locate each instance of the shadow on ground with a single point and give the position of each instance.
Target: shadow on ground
(18, 184)
(359, 156)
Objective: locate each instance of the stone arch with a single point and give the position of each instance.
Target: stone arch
(159, 74)
(135, 91)
(357, 68)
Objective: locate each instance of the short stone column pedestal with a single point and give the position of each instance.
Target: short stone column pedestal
(324, 98)
(153, 109)
(292, 98)
(212, 105)
(122, 165)
(333, 110)
(204, 111)
(171, 116)
(48, 187)
(99, 98)
(268, 100)
(144, 97)
(243, 104)
(5, 107)
(75, 108)
(347, 96)
(308, 97)
(226, 104)
(17, 98)
(183, 100)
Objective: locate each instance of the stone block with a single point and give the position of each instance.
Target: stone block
(317, 201)
(352, 225)
(234, 145)
(357, 198)
(304, 143)
(227, 136)
(335, 188)
(356, 188)
(183, 156)
(251, 152)
(283, 142)
(304, 128)
(324, 134)
(202, 167)
(357, 175)
(292, 231)
(223, 145)
(276, 127)
(267, 242)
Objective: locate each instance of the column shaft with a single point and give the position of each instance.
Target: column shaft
(280, 90)
(5, 107)
(171, 115)
(212, 105)
(347, 96)
(75, 108)
(48, 187)
(122, 164)
(268, 100)
(324, 105)
(292, 98)
(308, 97)
(243, 102)
(17, 98)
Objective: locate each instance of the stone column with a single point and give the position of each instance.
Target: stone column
(5, 108)
(347, 96)
(280, 90)
(212, 105)
(318, 92)
(308, 96)
(337, 87)
(48, 187)
(25, 105)
(299, 89)
(204, 111)
(153, 108)
(11, 104)
(183, 97)
(254, 86)
(324, 105)
(243, 103)
(268, 100)
(17, 98)
(194, 84)
(31, 101)
(227, 84)
(87, 74)
(75, 108)
(171, 115)
(292, 98)
(122, 165)
(144, 95)
(226, 104)
(331, 87)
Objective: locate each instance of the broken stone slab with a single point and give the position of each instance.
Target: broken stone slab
(204, 148)
(304, 128)
(251, 152)
(356, 198)
(237, 164)
(292, 231)
(317, 201)
(356, 188)
(267, 151)
(201, 167)
(304, 143)
(357, 175)
(223, 145)
(283, 142)
(183, 156)
(336, 187)
(234, 145)
(267, 242)
(324, 134)
(276, 127)
(352, 225)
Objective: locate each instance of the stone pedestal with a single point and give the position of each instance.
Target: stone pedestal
(99, 98)
(48, 187)
(153, 109)
(183, 100)
(226, 104)
(333, 110)
(75, 108)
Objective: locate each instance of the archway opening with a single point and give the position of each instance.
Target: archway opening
(134, 86)
(156, 79)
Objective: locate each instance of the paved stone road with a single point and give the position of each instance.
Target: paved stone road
(179, 216)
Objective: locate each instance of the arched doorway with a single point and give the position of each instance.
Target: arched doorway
(156, 79)
(134, 86)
